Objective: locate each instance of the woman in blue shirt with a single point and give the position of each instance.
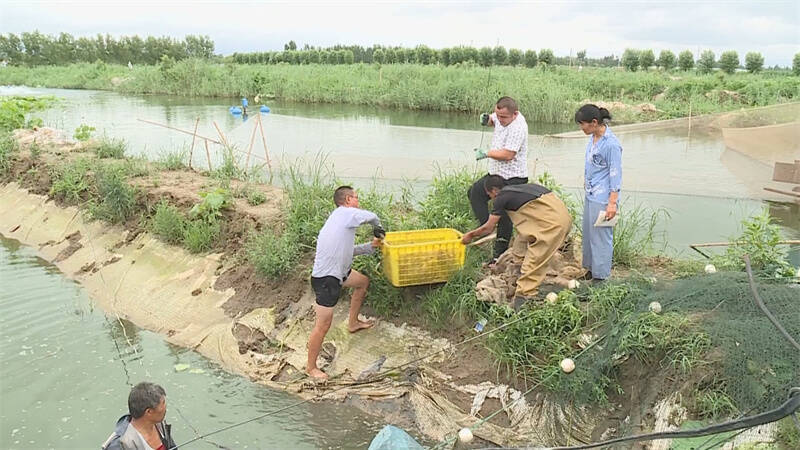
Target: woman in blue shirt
(603, 180)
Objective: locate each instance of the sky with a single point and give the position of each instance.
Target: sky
(771, 27)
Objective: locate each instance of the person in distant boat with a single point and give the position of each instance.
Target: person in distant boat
(332, 269)
(144, 427)
(508, 159)
(602, 183)
(244, 105)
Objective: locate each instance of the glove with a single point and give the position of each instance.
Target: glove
(378, 232)
(481, 153)
(484, 119)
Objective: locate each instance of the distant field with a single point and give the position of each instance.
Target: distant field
(545, 94)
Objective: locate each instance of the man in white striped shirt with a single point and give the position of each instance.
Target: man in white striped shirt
(508, 158)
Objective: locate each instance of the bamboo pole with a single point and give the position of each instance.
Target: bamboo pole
(194, 137)
(250, 148)
(221, 136)
(208, 156)
(178, 129)
(725, 244)
(266, 152)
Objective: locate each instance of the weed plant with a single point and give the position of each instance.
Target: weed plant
(635, 235)
(173, 160)
(759, 239)
(116, 199)
(273, 254)
(83, 132)
(8, 149)
(447, 205)
(714, 404)
(229, 169)
(13, 111)
(211, 206)
(200, 235)
(256, 197)
(71, 182)
(110, 148)
(168, 223)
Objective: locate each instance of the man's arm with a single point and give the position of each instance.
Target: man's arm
(501, 154)
(362, 216)
(367, 248)
(480, 231)
(517, 136)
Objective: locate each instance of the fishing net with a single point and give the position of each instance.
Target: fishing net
(709, 341)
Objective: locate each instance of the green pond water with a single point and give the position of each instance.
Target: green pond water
(67, 369)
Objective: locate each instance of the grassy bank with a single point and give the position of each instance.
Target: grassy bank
(546, 94)
(709, 342)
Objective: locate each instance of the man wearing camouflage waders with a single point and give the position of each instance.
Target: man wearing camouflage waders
(542, 223)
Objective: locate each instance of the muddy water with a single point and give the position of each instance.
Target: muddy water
(66, 367)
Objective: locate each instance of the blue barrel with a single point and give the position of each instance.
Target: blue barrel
(235, 110)
(264, 109)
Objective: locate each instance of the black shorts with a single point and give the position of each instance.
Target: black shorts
(327, 290)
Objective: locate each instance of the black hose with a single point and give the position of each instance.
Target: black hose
(763, 307)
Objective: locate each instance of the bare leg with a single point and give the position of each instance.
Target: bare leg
(359, 282)
(321, 326)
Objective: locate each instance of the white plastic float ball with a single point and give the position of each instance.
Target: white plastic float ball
(655, 307)
(567, 365)
(710, 268)
(551, 297)
(573, 284)
(465, 435)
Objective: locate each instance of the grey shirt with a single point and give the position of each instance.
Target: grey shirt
(336, 242)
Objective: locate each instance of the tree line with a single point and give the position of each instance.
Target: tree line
(37, 49)
(633, 59)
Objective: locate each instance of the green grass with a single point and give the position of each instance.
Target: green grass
(168, 223)
(110, 148)
(15, 109)
(200, 235)
(714, 404)
(115, 201)
(273, 254)
(71, 182)
(8, 150)
(549, 95)
(635, 235)
(255, 197)
(83, 132)
(173, 160)
(788, 435)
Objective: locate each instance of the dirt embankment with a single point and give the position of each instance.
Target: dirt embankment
(219, 305)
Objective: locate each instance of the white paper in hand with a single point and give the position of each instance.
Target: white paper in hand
(602, 222)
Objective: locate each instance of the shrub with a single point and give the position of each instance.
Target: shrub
(168, 223)
(796, 64)
(83, 132)
(110, 148)
(635, 235)
(759, 239)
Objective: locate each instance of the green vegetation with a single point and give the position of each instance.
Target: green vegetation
(168, 223)
(116, 199)
(71, 182)
(110, 148)
(788, 435)
(729, 61)
(13, 111)
(37, 49)
(759, 239)
(548, 95)
(714, 404)
(753, 62)
(273, 254)
(635, 235)
(83, 132)
(174, 160)
(200, 235)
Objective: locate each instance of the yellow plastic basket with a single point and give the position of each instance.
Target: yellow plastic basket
(418, 257)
